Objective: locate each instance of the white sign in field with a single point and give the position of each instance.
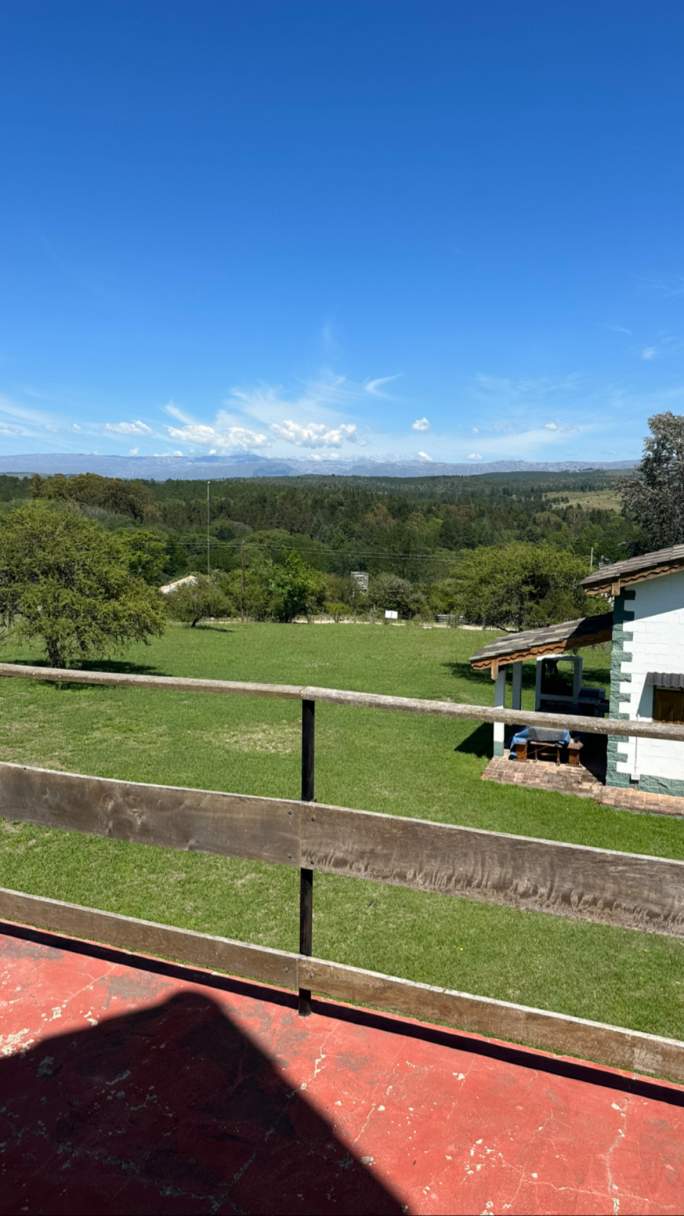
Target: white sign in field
(391, 614)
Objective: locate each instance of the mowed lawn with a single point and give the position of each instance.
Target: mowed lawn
(400, 764)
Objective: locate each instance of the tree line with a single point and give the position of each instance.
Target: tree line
(82, 558)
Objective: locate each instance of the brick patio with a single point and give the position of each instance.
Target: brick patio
(561, 778)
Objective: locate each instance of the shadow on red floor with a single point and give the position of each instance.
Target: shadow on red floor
(170, 1109)
(129, 1086)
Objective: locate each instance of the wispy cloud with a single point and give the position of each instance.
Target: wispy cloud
(424, 457)
(375, 387)
(128, 428)
(330, 343)
(668, 285)
(648, 353)
(421, 424)
(261, 415)
(269, 403)
(37, 418)
(619, 329)
(514, 389)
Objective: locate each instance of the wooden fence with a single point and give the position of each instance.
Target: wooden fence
(624, 889)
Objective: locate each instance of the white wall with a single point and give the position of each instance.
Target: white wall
(657, 644)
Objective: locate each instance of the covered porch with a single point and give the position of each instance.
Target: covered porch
(559, 687)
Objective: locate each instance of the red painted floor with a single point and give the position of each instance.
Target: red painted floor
(135, 1089)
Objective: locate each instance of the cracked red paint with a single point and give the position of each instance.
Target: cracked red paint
(125, 1089)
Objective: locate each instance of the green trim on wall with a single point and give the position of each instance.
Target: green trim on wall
(618, 655)
(661, 785)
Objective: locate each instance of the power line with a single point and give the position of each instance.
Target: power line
(317, 548)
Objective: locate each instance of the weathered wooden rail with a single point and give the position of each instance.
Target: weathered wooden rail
(623, 889)
(360, 700)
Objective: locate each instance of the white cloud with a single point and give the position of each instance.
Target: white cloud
(374, 387)
(421, 424)
(221, 437)
(128, 428)
(551, 426)
(648, 353)
(134, 451)
(474, 456)
(314, 434)
(173, 411)
(10, 428)
(268, 403)
(510, 391)
(20, 420)
(424, 457)
(619, 329)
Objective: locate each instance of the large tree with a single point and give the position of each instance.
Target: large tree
(64, 579)
(518, 586)
(654, 498)
(192, 602)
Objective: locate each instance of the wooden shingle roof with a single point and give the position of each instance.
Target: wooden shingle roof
(635, 570)
(551, 639)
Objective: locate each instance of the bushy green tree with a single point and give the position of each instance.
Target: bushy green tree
(295, 588)
(113, 494)
(390, 591)
(276, 590)
(654, 499)
(193, 602)
(518, 586)
(63, 579)
(145, 553)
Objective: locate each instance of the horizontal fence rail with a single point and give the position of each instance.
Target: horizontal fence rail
(560, 1033)
(360, 700)
(578, 881)
(621, 889)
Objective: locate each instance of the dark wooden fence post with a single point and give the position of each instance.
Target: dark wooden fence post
(306, 876)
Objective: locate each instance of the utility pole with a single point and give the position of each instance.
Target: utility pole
(591, 559)
(208, 522)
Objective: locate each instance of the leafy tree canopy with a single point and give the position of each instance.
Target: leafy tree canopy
(64, 580)
(146, 554)
(518, 586)
(193, 602)
(654, 499)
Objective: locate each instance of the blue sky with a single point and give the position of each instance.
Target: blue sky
(340, 228)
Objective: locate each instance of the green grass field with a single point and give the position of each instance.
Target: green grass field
(405, 765)
(591, 500)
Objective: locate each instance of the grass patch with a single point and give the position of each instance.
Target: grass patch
(589, 500)
(425, 767)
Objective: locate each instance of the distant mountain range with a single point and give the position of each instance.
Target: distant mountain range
(247, 464)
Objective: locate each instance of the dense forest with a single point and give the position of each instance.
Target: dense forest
(413, 527)
(506, 549)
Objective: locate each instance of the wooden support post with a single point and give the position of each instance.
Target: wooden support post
(516, 692)
(306, 875)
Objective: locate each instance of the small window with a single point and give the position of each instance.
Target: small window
(668, 705)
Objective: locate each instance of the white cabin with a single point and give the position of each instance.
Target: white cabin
(646, 634)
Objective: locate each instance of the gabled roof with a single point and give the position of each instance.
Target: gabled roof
(635, 570)
(552, 639)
